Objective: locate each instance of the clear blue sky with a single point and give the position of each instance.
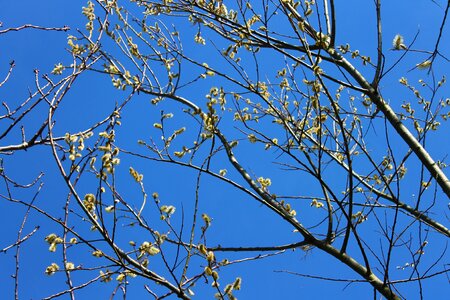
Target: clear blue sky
(237, 220)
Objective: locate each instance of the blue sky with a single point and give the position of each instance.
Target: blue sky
(237, 219)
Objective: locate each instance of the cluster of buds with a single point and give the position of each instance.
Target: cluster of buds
(76, 144)
(53, 240)
(147, 248)
(109, 157)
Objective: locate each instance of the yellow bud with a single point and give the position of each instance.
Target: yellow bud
(208, 271)
(215, 275)
(202, 249)
(210, 257)
(70, 266)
